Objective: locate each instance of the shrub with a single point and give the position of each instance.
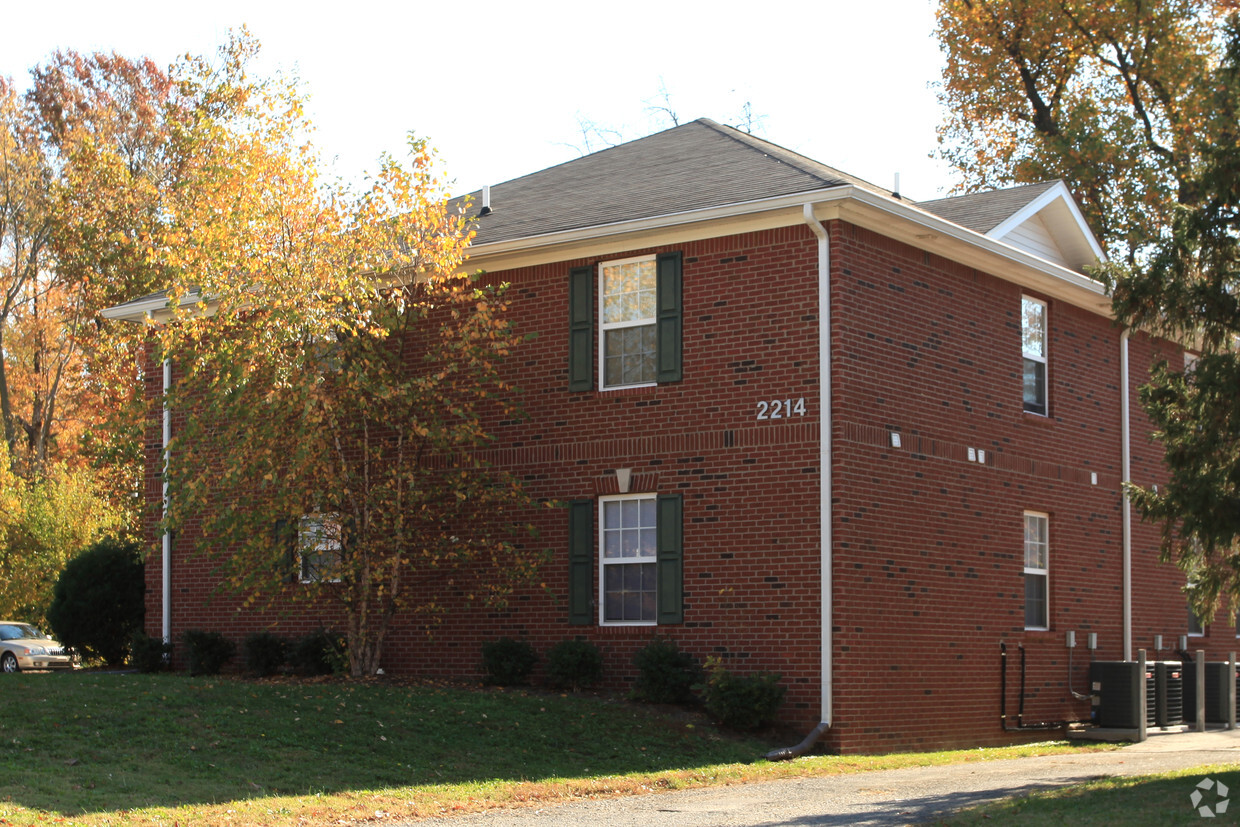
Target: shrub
(207, 652)
(508, 662)
(573, 664)
(149, 654)
(98, 601)
(666, 675)
(742, 701)
(319, 653)
(264, 653)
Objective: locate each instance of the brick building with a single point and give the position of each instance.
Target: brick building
(811, 427)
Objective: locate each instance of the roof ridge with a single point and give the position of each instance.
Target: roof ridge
(783, 155)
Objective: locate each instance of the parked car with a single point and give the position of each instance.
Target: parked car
(23, 646)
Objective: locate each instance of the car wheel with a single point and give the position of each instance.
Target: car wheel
(8, 662)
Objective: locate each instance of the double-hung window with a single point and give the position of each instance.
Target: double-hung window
(318, 549)
(637, 304)
(628, 562)
(636, 553)
(627, 310)
(1033, 331)
(1037, 542)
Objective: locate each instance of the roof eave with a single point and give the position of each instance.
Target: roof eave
(892, 217)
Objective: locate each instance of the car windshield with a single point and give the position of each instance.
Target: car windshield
(19, 631)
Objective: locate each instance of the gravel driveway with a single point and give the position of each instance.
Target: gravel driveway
(887, 797)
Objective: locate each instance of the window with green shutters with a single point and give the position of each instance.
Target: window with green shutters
(637, 553)
(639, 322)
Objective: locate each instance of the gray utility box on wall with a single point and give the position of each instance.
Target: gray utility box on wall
(1116, 687)
(1218, 699)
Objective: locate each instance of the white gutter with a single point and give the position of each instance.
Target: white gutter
(166, 540)
(824, 490)
(1125, 431)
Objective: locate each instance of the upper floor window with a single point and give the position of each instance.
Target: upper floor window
(630, 309)
(1037, 573)
(627, 310)
(1033, 330)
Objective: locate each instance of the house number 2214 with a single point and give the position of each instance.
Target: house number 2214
(781, 408)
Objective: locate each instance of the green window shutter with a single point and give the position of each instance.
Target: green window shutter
(581, 329)
(284, 535)
(581, 557)
(669, 314)
(670, 561)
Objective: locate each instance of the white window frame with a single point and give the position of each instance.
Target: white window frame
(604, 326)
(1192, 623)
(318, 535)
(604, 564)
(1036, 571)
(1041, 358)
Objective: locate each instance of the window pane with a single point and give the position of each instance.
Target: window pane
(1035, 601)
(1035, 386)
(629, 593)
(1033, 327)
(611, 515)
(1035, 541)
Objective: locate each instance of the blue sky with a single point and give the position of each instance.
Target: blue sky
(503, 88)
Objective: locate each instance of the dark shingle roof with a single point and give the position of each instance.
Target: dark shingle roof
(983, 211)
(696, 165)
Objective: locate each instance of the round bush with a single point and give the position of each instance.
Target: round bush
(319, 653)
(744, 702)
(207, 652)
(98, 603)
(573, 664)
(508, 662)
(264, 653)
(666, 675)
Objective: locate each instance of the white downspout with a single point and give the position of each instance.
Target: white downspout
(824, 464)
(1126, 473)
(166, 540)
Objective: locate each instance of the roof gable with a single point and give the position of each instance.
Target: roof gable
(1042, 219)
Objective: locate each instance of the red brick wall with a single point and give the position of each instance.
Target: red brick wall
(928, 553)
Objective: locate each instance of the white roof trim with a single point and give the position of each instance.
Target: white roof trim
(1059, 196)
(901, 220)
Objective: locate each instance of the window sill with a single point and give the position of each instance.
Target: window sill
(622, 390)
(1041, 420)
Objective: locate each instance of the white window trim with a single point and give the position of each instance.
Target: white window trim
(304, 525)
(602, 564)
(1189, 615)
(1042, 358)
(1045, 573)
(604, 327)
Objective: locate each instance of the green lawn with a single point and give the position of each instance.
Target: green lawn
(94, 748)
(1153, 800)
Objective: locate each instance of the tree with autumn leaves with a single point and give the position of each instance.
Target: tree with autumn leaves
(336, 368)
(333, 363)
(1114, 98)
(1136, 104)
(83, 170)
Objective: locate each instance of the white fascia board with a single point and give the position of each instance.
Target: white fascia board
(602, 239)
(991, 255)
(884, 214)
(1059, 192)
(154, 308)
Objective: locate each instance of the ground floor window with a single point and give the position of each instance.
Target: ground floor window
(1037, 574)
(628, 554)
(318, 548)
